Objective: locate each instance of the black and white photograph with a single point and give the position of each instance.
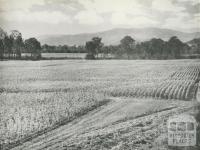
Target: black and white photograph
(99, 74)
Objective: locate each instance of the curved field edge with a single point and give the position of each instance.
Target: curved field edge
(21, 135)
(138, 135)
(181, 85)
(50, 77)
(104, 128)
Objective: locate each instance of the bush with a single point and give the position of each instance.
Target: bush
(89, 56)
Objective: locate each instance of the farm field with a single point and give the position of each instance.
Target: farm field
(60, 55)
(68, 55)
(39, 95)
(64, 55)
(122, 124)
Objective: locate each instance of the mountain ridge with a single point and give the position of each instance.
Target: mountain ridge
(113, 36)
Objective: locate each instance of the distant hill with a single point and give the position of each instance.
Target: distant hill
(115, 35)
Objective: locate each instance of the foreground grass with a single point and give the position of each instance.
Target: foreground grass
(24, 114)
(35, 96)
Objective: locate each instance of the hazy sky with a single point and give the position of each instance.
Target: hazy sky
(38, 17)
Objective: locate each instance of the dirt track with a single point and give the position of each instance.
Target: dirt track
(121, 124)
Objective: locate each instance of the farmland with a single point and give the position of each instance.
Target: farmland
(59, 55)
(51, 56)
(39, 95)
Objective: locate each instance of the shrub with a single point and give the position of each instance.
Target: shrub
(89, 56)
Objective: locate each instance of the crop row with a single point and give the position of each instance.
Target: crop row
(24, 114)
(180, 84)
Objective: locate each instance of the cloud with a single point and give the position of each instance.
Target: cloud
(124, 19)
(65, 6)
(182, 22)
(189, 1)
(20, 11)
(89, 15)
(193, 9)
(166, 5)
(110, 6)
(197, 15)
(45, 17)
(89, 18)
(12, 5)
(126, 12)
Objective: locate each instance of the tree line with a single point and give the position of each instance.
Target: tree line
(155, 48)
(128, 48)
(12, 46)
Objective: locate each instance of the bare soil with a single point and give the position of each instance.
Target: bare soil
(123, 123)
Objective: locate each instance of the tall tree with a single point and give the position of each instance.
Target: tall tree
(175, 46)
(195, 45)
(98, 45)
(8, 45)
(155, 48)
(1, 49)
(128, 44)
(17, 43)
(33, 46)
(90, 47)
(93, 47)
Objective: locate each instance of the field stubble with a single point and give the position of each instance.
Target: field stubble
(37, 95)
